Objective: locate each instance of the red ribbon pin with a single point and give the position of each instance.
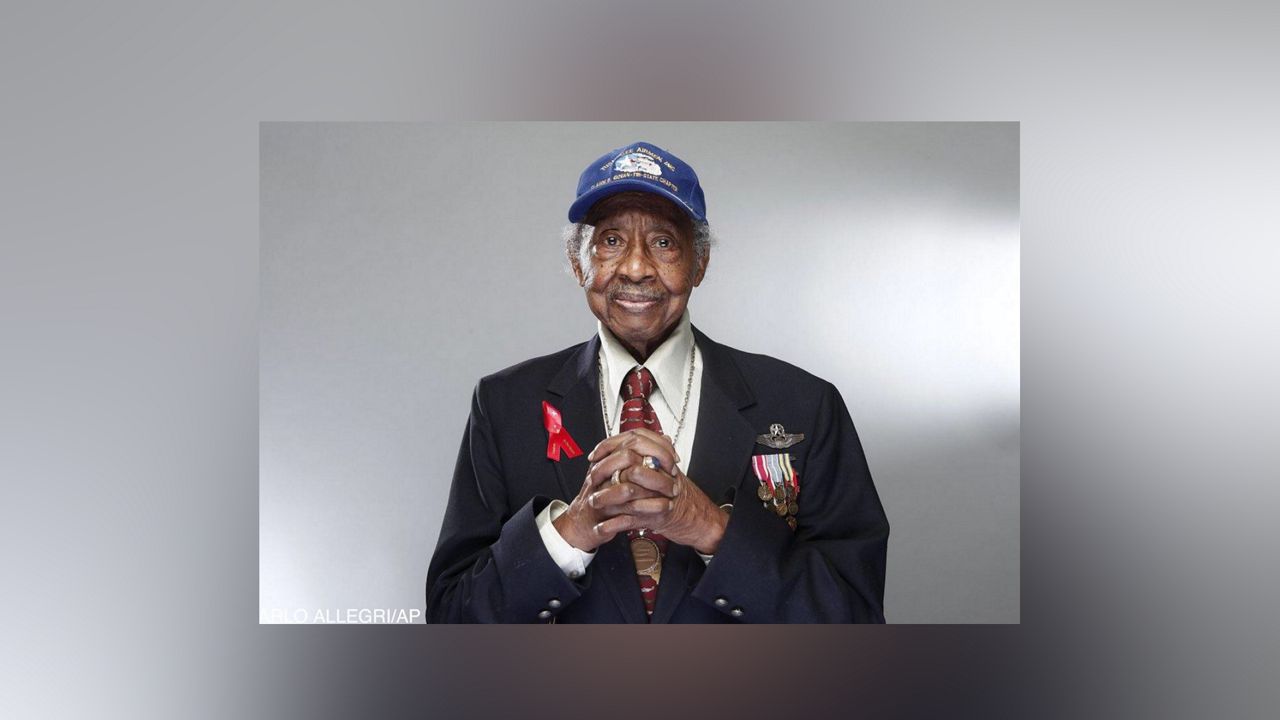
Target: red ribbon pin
(557, 436)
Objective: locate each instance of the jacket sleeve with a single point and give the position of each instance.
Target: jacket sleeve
(832, 568)
(490, 564)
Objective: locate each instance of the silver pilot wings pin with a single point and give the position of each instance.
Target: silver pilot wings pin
(778, 437)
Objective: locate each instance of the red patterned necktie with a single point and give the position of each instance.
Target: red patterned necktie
(647, 548)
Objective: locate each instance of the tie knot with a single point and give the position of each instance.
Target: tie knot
(638, 385)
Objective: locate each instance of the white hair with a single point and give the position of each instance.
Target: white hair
(577, 245)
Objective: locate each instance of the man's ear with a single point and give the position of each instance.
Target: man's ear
(576, 264)
(703, 261)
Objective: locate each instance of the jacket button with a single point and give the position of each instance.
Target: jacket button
(721, 602)
(554, 603)
(544, 615)
(736, 612)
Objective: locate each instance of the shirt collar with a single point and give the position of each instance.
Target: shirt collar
(669, 363)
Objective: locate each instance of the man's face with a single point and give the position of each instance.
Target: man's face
(642, 269)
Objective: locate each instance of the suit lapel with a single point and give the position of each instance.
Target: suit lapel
(724, 440)
(721, 453)
(575, 390)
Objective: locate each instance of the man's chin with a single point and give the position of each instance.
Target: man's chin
(638, 334)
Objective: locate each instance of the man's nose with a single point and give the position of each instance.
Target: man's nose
(637, 265)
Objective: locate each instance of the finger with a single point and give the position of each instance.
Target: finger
(617, 524)
(655, 480)
(648, 508)
(606, 446)
(611, 496)
(604, 470)
(602, 533)
(661, 443)
(646, 445)
(661, 452)
(655, 437)
(627, 456)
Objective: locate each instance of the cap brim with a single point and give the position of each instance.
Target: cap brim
(578, 210)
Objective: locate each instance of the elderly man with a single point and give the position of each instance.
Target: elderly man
(651, 474)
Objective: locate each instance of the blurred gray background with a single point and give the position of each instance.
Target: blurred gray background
(402, 262)
(130, 305)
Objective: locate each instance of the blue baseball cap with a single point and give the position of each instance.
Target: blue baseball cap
(639, 166)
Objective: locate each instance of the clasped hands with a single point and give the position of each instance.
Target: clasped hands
(662, 500)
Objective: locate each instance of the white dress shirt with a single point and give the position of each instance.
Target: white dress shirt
(669, 364)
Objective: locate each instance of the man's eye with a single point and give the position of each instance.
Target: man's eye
(612, 240)
(662, 242)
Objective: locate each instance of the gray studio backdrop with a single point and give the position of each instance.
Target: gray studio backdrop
(402, 262)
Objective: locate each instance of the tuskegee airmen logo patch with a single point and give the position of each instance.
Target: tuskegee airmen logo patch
(637, 162)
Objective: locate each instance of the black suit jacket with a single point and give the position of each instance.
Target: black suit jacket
(490, 564)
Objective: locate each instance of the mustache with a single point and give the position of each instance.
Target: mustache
(633, 292)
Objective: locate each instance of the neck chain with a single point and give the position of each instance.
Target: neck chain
(688, 387)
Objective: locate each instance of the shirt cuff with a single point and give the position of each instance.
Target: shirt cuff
(572, 561)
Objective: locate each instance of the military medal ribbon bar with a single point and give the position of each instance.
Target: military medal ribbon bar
(779, 485)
